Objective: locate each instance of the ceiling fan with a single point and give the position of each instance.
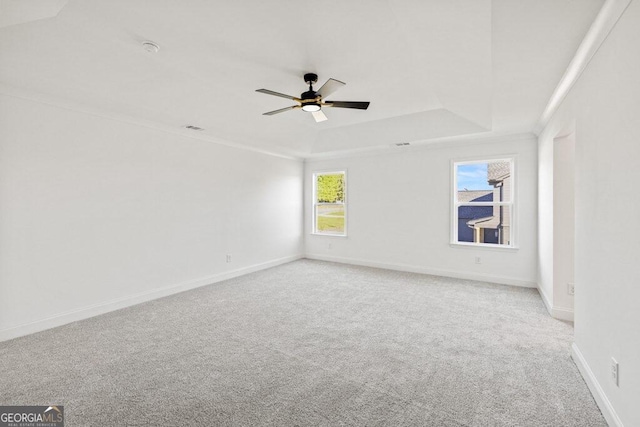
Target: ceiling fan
(313, 101)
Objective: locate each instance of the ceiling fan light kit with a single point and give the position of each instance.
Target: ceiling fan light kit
(312, 101)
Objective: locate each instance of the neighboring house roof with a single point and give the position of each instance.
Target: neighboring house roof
(470, 212)
(486, 222)
(465, 196)
(498, 171)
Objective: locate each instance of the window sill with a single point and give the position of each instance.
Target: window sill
(328, 235)
(487, 246)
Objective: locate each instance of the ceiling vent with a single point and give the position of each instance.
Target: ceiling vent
(150, 46)
(193, 127)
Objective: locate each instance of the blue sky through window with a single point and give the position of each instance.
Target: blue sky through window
(472, 177)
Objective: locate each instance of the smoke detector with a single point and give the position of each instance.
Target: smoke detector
(150, 46)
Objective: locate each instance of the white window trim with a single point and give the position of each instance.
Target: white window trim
(513, 159)
(314, 202)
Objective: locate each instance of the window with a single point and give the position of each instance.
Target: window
(329, 213)
(483, 209)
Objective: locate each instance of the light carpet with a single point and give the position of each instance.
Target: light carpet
(310, 343)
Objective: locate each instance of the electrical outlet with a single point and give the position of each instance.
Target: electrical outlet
(228, 258)
(615, 372)
(478, 260)
(571, 289)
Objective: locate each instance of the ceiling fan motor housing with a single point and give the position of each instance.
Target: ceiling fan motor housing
(309, 101)
(308, 95)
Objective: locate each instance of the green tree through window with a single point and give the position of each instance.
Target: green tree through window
(330, 188)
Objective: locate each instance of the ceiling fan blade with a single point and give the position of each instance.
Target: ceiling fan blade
(347, 104)
(319, 116)
(282, 110)
(329, 87)
(281, 95)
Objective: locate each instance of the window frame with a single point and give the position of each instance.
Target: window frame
(512, 203)
(314, 202)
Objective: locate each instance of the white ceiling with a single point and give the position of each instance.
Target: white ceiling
(431, 68)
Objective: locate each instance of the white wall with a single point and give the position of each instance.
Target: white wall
(98, 214)
(556, 222)
(399, 212)
(564, 225)
(607, 247)
(545, 219)
(605, 108)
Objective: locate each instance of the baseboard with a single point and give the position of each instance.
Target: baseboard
(127, 301)
(560, 313)
(423, 270)
(600, 397)
(545, 300)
